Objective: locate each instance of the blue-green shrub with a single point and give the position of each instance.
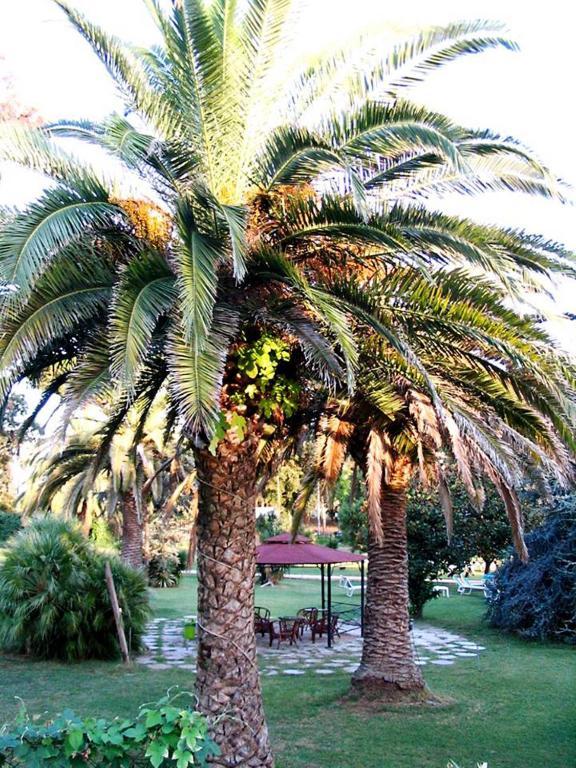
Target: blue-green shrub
(54, 603)
(538, 600)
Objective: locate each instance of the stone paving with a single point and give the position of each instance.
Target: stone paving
(167, 648)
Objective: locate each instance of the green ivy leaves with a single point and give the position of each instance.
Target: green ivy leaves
(166, 733)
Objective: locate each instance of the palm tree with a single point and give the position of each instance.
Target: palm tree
(129, 476)
(460, 376)
(215, 279)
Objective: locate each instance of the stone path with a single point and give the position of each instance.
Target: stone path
(168, 648)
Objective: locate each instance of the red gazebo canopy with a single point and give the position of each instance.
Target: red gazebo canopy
(280, 550)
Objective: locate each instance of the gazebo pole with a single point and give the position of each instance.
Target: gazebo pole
(323, 592)
(362, 598)
(329, 605)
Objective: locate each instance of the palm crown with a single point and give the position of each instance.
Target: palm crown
(252, 200)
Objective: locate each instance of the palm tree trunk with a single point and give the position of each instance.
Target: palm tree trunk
(388, 667)
(132, 532)
(192, 540)
(85, 518)
(227, 680)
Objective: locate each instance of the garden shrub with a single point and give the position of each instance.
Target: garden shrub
(537, 600)
(167, 733)
(10, 523)
(54, 603)
(165, 570)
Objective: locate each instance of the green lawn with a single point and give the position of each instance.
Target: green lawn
(284, 599)
(514, 706)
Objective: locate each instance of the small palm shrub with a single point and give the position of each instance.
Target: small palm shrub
(10, 523)
(537, 600)
(54, 603)
(164, 570)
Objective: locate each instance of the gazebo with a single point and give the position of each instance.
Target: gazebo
(282, 551)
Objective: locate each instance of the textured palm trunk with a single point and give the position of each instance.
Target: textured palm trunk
(227, 681)
(191, 556)
(388, 665)
(132, 532)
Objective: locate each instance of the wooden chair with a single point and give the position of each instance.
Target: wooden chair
(320, 626)
(308, 616)
(284, 629)
(261, 620)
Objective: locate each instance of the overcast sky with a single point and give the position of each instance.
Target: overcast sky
(529, 94)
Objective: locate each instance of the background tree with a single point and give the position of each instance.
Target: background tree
(485, 529)
(430, 554)
(14, 411)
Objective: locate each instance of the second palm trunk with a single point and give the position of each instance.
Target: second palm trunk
(388, 665)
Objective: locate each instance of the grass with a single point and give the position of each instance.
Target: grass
(514, 706)
(284, 599)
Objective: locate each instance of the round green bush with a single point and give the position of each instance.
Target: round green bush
(54, 602)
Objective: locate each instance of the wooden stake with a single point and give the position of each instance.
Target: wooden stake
(117, 613)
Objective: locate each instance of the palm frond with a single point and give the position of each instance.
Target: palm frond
(143, 295)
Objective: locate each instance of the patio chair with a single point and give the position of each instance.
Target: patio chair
(284, 629)
(466, 586)
(261, 620)
(308, 616)
(348, 587)
(320, 626)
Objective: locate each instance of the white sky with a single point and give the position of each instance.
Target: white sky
(529, 94)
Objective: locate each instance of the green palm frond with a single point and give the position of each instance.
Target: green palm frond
(385, 75)
(128, 71)
(33, 148)
(144, 294)
(61, 216)
(65, 298)
(294, 155)
(199, 256)
(196, 377)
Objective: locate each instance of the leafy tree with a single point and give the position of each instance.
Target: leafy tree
(13, 413)
(270, 189)
(282, 490)
(485, 529)
(537, 599)
(430, 554)
(350, 501)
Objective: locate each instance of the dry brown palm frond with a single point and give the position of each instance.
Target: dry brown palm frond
(336, 447)
(514, 512)
(461, 454)
(445, 498)
(425, 418)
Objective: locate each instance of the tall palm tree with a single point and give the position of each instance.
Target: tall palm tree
(214, 279)
(129, 476)
(460, 375)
